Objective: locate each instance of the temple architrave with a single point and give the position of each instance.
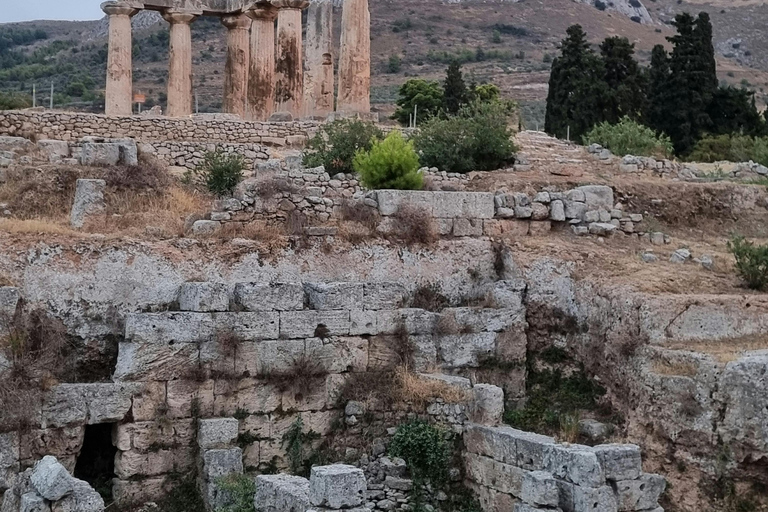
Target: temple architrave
(269, 67)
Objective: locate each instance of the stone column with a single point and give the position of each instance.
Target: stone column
(355, 58)
(318, 61)
(238, 60)
(119, 91)
(180, 71)
(289, 70)
(261, 75)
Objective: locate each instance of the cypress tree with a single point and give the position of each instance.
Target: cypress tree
(626, 83)
(733, 111)
(454, 90)
(577, 90)
(659, 99)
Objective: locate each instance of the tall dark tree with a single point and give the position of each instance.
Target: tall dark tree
(626, 82)
(455, 92)
(733, 111)
(577, 91)
(659, 98)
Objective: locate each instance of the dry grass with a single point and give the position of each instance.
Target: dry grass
(414, 226)
(6, 281)
(302, 377)
(420, 391)
(39, 226)
(725, 350)
(429, 296)
(674, 368)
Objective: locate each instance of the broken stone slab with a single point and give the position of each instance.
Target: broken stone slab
(498, 443)
(203, 297)
(620, 461)
(216, 432)
(281, 493)
(491, 473)
(55, 150)
(487, 406)
(540, 489)
(594, 429)
(205, 227)
(465, 350)
(51, 480)
(577, 464)
(334, 296)
(642, 493)
(222, 462)
(600, 499)
(680, 256)
(89, 201)
(100, 154)
(83, 499)
(337, 486)
(269, 296)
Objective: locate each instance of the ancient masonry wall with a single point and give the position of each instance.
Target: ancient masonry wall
(227, 352)
(514, 470)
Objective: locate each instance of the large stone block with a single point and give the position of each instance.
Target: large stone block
(337, 486)
(597, 196)
(531, 449)
(540, 489)
(89, 201)
(390, 201)
(248, 326)
(100, 154)
(487, 407)
(492, 500)
(216, 432)
(377, 296)
(484, 319)
(414, 321)
(600, 499)
(508, 295)
(269, 296)
(55, 150)
(222, 462)
(642, 493)
(203, 297)
(51, 480)
(620, 461)
(83, 499)
(155, 362)
(467, 205)
(465, 350)
(334, 296)
(281, 493)
(362, 322)
(494, 474)
(33, 502)
(249, 395)
(339, 354)
(310, 324)
(164, 328)
(133, 463)
(576, 464)
(498, 443)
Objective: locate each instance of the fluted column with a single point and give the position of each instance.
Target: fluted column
(261, 74)
(355, 58)
(238, 60)
(119, 91)
(180, 69)
(289, 70)
(318, 60)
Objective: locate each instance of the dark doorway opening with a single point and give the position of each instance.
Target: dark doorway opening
(96, 462)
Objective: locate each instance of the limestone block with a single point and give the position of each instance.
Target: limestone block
(467, 205)
(492, 500)
(384, 295)
(83, 499)
(33, 502)
(205, 227)
(576, 464)
(337, 486)
(601, 499)
(9, 300)
(55, 150)
(281, 493)
(185, 397)
(362, 322)
(494, 474)
(508, 294)
(339, 355)
(269, 296)
(390, 201)
(539, 211)
(640, 494)
(450, 380)
(251, 395)
(575, 210)
(51, 480)
(539, 488)
(531, 449)
(9, 449)
(465, 350)
(100, 154)
(467, 227)
(498, 443)
(597, 196)
(139, 491)
(557, 211)
(148, 362)
(163, 328)
(310, 324)
(484, 319)
(620, 461)
(248, 326)
(270, 356)
(132, 463)
(203, 297)
(221, 462)
(601, 229)
(128, 151)
(415, 321)
(334, 296)
(216, 432)
(89, 201)
(487, 405)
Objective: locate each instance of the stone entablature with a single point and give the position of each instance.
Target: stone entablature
(69, 126)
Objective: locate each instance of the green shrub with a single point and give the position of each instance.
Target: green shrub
(628, 137)
(390, 164)
(425, 96)
(477, 139)
(336, 144)
(718, 148)
(426, 449)
(240, 490)
(219, 173)
(14, 101)
(751, 261)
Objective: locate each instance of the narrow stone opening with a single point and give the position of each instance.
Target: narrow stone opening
(96, 462)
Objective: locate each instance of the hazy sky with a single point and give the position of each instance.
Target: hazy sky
(26, 10)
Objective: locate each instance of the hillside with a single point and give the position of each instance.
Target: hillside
(508, 43)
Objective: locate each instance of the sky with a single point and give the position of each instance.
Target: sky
(26, 10)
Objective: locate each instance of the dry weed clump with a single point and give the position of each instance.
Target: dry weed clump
(724, 350)
(414, 226)
(674, 368)
(430, 297)
(271, 187)
(5, 280)
(301, 377)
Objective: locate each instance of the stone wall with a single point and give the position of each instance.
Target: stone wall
(71, 126)
(514, 470)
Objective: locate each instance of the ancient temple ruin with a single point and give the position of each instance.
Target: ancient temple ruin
(269, 68)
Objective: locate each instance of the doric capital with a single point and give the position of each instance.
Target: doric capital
(114, 8)
(175, 16)
(236, 21)
(291, 4)
(263, 11)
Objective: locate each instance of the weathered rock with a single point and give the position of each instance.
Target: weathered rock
(487, 405)
(33, 502)
(100, 154)
(89, 201)
(83, 499)
(269, 296)
(281, 493)
(642, 493)
(337, 486)
(216, 432)
(205, 227)
(51, 480)
(539, 488)
(620, 461)
(334, 296)
(56, 150)
(680, 256)
(203, 297)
